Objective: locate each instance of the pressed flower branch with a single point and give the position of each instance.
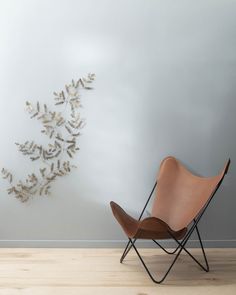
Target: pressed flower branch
(63, 134)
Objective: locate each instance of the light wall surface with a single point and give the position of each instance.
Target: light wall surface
(166, 85)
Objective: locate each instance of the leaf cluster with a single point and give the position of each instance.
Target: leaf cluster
(63, 134)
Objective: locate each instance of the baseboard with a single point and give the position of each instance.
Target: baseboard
(108, 243)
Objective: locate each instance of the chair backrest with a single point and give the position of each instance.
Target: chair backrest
(180, 195)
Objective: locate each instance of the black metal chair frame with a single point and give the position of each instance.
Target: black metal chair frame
(180, 245)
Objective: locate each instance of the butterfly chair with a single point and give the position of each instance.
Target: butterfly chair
(180, 201)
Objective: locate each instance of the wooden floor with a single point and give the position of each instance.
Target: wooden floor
(98, 271)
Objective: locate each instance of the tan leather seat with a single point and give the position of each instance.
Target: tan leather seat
(180, 196)
(148, 228)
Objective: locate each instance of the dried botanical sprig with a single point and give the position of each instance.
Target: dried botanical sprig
(71, 93)
(36, 151)
(64, 133)
(7, 175)
(23, 190)
(50, 120)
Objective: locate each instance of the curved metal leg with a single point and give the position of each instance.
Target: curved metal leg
(147, 270)
(203, 251)
(203, 267)
(126, 251)
(168, 252)
(181, 246)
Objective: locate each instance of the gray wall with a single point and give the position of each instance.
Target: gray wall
(166, 85)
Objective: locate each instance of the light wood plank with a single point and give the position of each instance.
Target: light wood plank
(98, 271)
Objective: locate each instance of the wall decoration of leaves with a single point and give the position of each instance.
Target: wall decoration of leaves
(62, 132)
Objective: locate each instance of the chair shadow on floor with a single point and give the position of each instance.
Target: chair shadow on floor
(186, 272)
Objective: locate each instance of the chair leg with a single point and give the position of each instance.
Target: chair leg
(185, 240)
(203, 267)
(146, 268)
(203, 251)
(181, 246)
(126, 251)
